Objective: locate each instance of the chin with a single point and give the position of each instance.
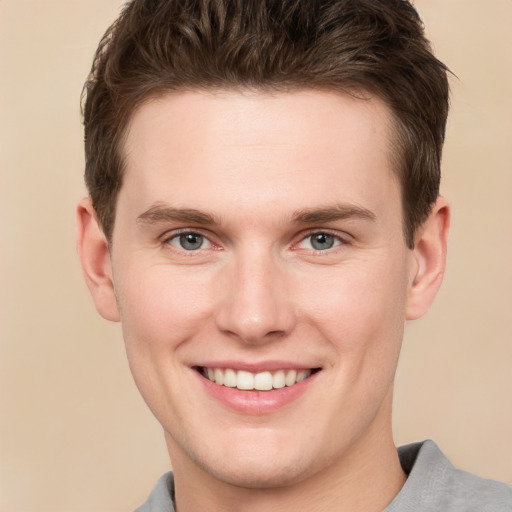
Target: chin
(266, 462)
(274, 472)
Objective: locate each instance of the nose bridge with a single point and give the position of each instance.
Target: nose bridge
(256, 306)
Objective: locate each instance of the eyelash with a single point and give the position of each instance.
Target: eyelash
(338, 240)
(175, 235)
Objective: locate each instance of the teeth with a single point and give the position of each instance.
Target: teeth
(244, 380)
(230, 379)
(263, 381)
(291, 378)
(278, 380)
(302, 375)
(219, 376)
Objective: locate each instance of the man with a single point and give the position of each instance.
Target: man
(264, 215)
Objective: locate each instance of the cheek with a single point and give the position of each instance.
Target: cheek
(161, 308)
(361, 308)
(362, 318)
(160, 311)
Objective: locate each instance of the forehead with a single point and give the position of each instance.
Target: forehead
(294, 147)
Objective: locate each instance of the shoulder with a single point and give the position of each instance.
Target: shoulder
(161, 497)
(435, 484)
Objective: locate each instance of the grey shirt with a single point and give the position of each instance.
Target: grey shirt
(433, 485)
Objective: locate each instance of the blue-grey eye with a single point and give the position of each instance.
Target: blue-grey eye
(191, 241)
(322, 241)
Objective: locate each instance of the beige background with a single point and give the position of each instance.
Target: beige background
(74, 434)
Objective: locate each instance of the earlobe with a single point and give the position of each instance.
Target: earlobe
(94, 255)
(429, 255)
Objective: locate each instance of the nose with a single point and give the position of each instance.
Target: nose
(255, 306)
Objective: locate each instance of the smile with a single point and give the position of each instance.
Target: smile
(261, 381)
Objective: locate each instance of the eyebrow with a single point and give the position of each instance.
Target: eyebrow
(161, 213)
(332, 213)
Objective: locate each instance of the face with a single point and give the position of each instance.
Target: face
(262, 278)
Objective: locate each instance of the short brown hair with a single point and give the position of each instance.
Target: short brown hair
(353, 46)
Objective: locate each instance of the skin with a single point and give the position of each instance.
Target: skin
(255, 175)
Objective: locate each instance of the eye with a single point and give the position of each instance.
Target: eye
(190, 241)
(320, 241)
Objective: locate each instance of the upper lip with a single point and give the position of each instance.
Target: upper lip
(257, 367)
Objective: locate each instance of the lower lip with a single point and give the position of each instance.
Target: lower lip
(256, 402)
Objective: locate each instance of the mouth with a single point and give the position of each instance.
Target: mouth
(260, 381)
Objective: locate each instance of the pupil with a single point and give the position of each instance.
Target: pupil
(322, 241)
(191, 241)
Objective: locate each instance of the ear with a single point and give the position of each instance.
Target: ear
(429, 254)
(94, 254)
